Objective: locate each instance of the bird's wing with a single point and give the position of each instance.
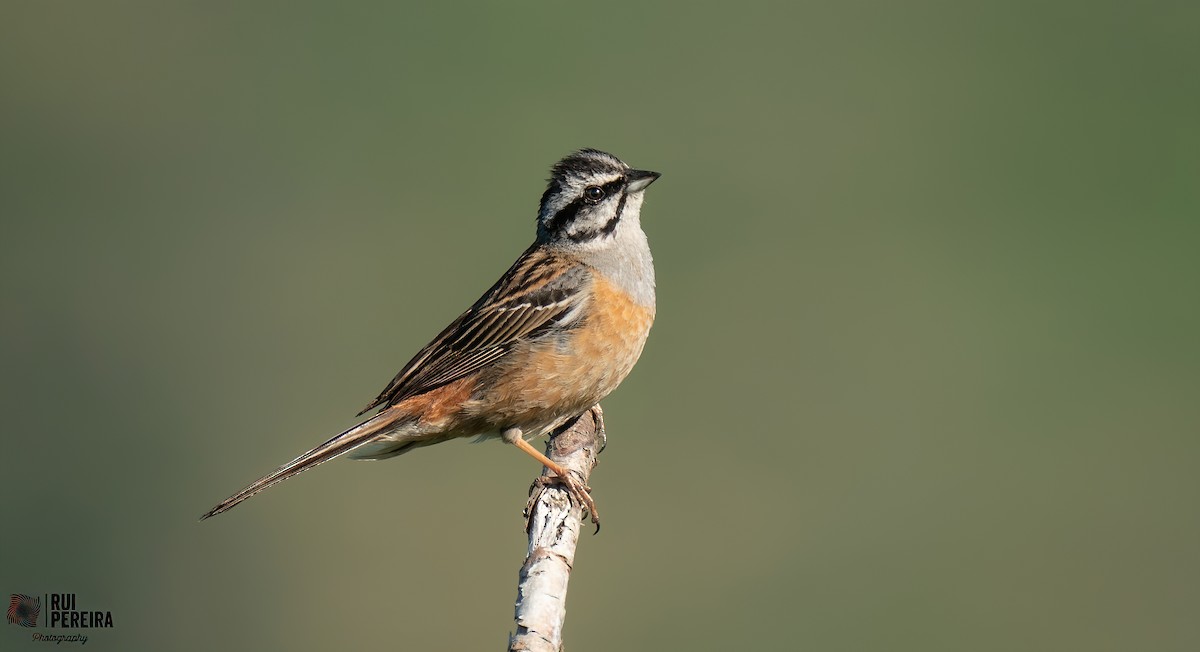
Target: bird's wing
(537, 292)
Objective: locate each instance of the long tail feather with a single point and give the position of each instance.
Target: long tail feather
(337, 445)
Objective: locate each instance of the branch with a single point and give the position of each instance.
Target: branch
(553, 522)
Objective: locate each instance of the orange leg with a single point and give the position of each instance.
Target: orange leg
(520, 443)
(573, 486)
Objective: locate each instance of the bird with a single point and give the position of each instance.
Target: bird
(550, 339)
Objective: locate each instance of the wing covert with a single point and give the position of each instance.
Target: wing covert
(539, 290)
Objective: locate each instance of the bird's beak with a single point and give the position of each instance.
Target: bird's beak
(637, 180)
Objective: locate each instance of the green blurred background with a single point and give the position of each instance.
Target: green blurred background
(925, 374)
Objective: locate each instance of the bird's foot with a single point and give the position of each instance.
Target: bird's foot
(576, 490)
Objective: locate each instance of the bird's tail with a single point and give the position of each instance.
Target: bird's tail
(341, 443)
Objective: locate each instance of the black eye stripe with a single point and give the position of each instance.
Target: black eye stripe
(607, 190)
(562, 219)
(607, 229)
(564, 216)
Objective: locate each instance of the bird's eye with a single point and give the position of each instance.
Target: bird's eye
(593, 193)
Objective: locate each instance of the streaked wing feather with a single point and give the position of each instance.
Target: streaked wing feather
(465, 365)
(528, 297)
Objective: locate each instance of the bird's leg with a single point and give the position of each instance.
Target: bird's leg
(576, 489)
